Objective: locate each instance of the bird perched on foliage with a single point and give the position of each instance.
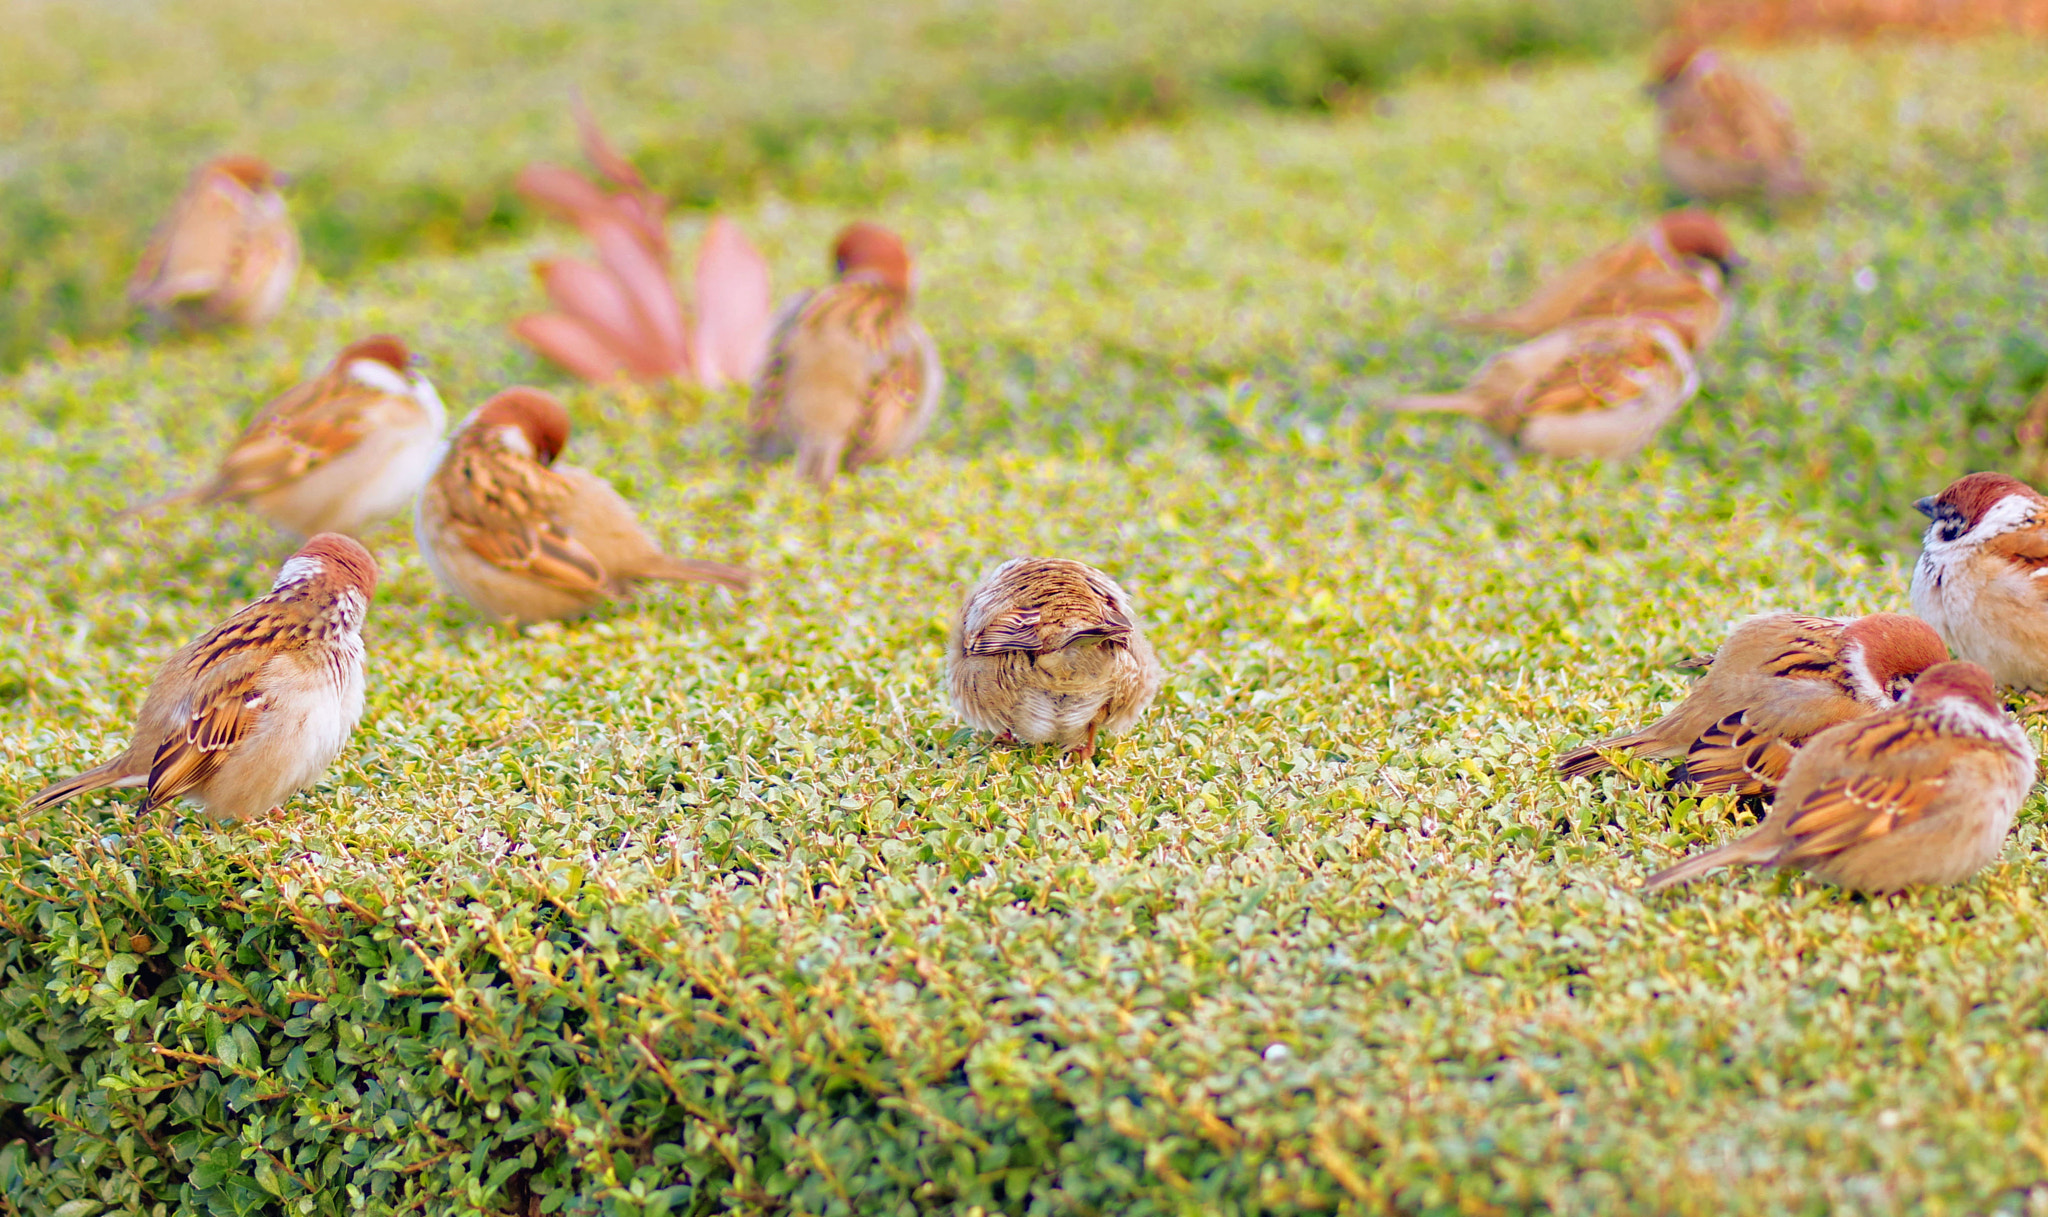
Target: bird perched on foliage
(1048, 651)
(1982, 577)
(1723, 135)
(624, 316)
(517, 535)
(257, 708)
(852, 377)
(1920, 794)
(228, 254)
(1779, 680)
(1597, 387)
(337, 452)
(1680, 266)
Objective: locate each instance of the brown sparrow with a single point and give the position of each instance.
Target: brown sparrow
(1680, 266)
(852, 378)
(228, 254)
(1598, 387)
(624, 317)
(507, 529)
(1047, 651)
(1779, 680)
(338, 452)
(1723, 134)
(1920, 794)
(255, 709)
(1982, 577)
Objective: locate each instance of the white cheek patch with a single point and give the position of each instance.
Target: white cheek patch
(297, 569)
(2009, 513)
(380, 376)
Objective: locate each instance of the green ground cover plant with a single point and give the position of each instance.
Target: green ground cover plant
(378, 116)
(704, 905)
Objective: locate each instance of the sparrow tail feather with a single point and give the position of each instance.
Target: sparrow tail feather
(96, 778)
(1584, 762)
(1435, 403)
(692, 570)
(1732, 854)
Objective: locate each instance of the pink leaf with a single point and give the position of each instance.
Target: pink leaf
(734, 306)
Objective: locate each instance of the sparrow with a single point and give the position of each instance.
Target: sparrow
(338, 452)
(1779, 680)
(1723, 135)
(1596, 387)
(1920, 794)
(1982, 577)
(1681, 266)
(1048, 651)
(851, 378)
(624, 317)
(254, 710)
(228, 254)
(507, 529)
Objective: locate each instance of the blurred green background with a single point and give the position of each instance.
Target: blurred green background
(378, 113)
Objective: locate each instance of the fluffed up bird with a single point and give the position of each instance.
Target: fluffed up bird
(1779, 680)
(257, 708)
(1918, 795)
(623, 317)
(1048, 651)
(228, 254)
(338, 452)
(517, 535)
(1723, 135)
(1982, 577)
(852, 377)
(1598, 387)
(1680, 266)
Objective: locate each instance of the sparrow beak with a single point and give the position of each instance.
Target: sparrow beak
(1925, 506)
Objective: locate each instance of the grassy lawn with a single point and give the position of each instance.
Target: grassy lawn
(703, 905)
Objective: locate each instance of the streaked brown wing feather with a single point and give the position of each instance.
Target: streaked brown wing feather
(505, 510)
(1845, 811)
(225, 706)
(200, 245)
(1604, 371)
(1017, 630)
(1738, 756)
(305, 428)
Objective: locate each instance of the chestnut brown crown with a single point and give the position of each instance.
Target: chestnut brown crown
(865, 248)
(1956, 679)
(1698, 235)
(539, 416)
(1970, 497)
(251, 171)
(346, 557)
(383, 348)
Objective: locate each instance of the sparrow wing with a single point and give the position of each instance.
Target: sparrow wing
(1016, 630)
(1749, 751)
(196, 250)
(305, 428)
(1752, 124)
(1607, 366)
(223, 707)
(1590, 288)
(506, 510)
(2025, 549)
(764, 412)
(901, 399)
(1879, 788)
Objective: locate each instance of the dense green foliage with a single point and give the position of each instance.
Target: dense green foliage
(704, 906)
(378, 116)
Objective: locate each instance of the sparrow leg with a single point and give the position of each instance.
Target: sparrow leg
(1007, 737)
(1086, 752)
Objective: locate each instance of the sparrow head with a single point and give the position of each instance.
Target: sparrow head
(333, 556)
(537, 415)
(1977, 503)
(1695, 234)
(872, 251)
(1956, 679)
(1671, 62)
(383, 348)
(1884, 652)
(250, 171)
